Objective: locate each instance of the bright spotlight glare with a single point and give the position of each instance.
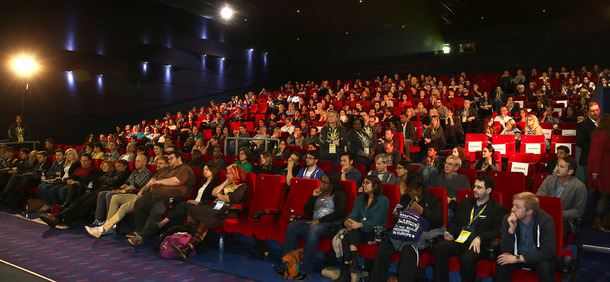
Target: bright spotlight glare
(226, 13)
(446, 49)
(24, 65)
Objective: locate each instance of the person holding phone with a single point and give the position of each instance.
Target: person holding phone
(327, 204)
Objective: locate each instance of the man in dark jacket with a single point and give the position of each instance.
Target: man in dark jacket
(27, 178)
(476, 223)
(527, 240)
(583, 136)
(83, 207)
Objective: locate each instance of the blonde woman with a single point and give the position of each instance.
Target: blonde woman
(532, 127)
(70, 166)
(333, 139)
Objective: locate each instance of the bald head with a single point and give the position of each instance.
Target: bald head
(140, 162)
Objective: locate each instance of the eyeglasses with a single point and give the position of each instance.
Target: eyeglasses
(450, 164)
(366, 182)
(171, 158)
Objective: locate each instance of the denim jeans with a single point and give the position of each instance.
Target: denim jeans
(43, 191)
(311, 236)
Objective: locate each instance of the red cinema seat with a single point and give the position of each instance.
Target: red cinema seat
(509, 184)
(268, 197)
(300, 191)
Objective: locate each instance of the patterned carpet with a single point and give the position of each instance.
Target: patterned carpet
(65, 256)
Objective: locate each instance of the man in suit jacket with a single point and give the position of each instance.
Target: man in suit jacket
(562, 152)
(476, 222)
(513, 108)
(408, 132)
(583, 134)
(572, 192)
(469, 116)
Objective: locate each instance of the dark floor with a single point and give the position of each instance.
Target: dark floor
(240, 259)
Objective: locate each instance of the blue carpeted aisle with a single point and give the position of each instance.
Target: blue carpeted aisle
(66, 256)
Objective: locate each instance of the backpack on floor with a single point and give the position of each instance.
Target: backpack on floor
(179, 239)
(291, 263)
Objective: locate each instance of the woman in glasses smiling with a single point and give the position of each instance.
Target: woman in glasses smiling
(370, 210)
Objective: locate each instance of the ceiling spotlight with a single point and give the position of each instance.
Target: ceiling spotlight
(251, 50)
(298, 11)
(226, 13)
(446, 49)
(24, 65)
(346, 33)
(223, 58)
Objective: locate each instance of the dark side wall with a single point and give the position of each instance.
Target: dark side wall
(93, 74)
(525, 44)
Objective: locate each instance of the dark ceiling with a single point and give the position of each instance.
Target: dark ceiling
(281, 25)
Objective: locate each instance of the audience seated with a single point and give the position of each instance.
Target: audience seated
(301, 116)
(452, 182)
(477, 222)
(527, 240)
(176, 181)
(572, 192)
(326, 205)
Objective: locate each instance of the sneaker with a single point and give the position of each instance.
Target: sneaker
(97, 222)
(95, 231)
(110, 231)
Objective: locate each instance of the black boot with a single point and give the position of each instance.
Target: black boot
(184, 251)
(192, 244)
(354, 266)
(344, 275)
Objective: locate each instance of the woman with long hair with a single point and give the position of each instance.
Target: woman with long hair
(461, 153)
(418, 201)
(434, 136)
(327, 204)
(402, 171)
(487, 162)
(487, 127)
(370, 210)
(70, 165)
(231, 192)
(204, 195)
(532, 127)
(265, 164)
(599, 173)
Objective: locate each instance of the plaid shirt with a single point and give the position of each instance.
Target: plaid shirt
(139, 178)
(113, 156)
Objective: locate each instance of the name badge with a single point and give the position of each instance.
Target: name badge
(463, 236)
(332, 148)
(366, 151)
(219, 205)
(464, 119)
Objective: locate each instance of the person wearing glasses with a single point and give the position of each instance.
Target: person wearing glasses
(477, 222)
(452, 182)
(382, 161)
(176, 181)
(231, 192)
(370, 210)
(310, 171)
(327, 204)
